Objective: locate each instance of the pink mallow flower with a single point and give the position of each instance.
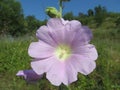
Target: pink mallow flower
(62, 51)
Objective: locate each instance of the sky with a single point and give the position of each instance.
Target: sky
(37, 7)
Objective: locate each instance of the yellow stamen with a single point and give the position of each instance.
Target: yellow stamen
(63, 52)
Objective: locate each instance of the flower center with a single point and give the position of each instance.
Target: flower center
(63, 52)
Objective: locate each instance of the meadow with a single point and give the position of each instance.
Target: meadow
(106, 76)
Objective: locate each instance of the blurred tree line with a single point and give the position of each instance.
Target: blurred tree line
(13, 22)
(97, 17)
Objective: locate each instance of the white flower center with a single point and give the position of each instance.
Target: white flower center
(63, 52)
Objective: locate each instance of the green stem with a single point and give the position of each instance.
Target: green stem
(60, 7)
(69, 88)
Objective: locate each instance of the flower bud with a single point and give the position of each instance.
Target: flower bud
(52, 12)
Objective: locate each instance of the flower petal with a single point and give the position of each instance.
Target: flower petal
(53, 33)
(61, 72)
(58, 31)
(82, 37)
(58, 35)
(42, 66)
(55, 23)
(29, 75)
(43, 34)
(40, 50)
(66, 32)
(89, 51)
(82, 64)
(56, 74)
(64, 21)
(74, 25)
(63, 36)
(71, 73)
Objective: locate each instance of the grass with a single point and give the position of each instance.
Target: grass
(106, 76)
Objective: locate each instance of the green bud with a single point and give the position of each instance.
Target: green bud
(52, 12)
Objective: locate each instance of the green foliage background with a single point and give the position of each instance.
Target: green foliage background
(14, 23)
(18, 31)
(106, 76)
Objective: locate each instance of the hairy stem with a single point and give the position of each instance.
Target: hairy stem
(60, 7)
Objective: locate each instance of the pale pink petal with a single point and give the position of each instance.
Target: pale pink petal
(53, 33)
(61, 72)
(65, 34)
(43, 34)
(74, 25)
(71, 29)
(58, 35)
(64, 21)
(29, 75)
(55, 23)
(56, 74)
(82, 36)
(71, 73)
(82, 64)
(40, 50)
(88, 51)
(42, 66)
